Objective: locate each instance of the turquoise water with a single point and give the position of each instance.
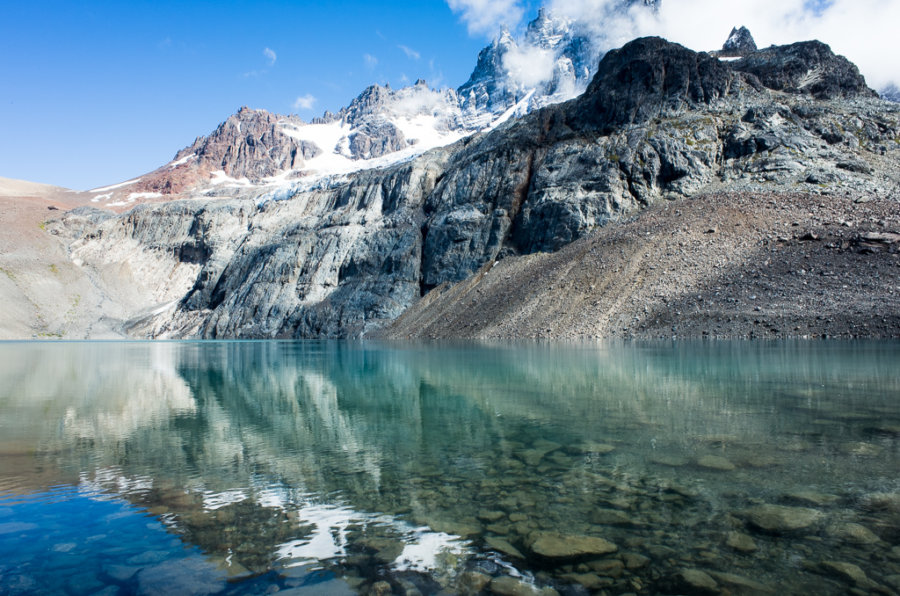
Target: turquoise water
(329, 468)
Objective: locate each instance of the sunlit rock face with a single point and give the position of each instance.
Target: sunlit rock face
(344, 258)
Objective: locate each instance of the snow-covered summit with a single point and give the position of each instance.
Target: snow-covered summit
(552, 61)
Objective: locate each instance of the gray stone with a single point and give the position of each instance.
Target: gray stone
(510, 586)
(808, 497)
(591, 581)
(741, 542)
(853, 533)
(715, 462)
(738, 584)
(780, 519)
(472, 582)
(502, 546)
(673, 461)
(695, 581)
(635, 561)
(559, 546)
(191, 576)
(610, 517)
(608, 567)
(490, 516)
(120, 573)
(847, 571)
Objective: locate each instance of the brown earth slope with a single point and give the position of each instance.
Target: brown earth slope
(716, 265)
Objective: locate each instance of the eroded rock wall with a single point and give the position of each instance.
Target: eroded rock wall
(659, 122)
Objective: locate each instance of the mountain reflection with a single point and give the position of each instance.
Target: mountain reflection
(304, 449)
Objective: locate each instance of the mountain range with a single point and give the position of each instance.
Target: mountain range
(498, 209)
(552, 62)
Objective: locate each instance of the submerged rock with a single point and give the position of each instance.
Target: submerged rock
(502, 546)
(741, 542)
(559, 546)
(510, 586)
(779, 519)
(635, 561)
(853, 533)
(738, 584)
(847, 571)
(808, 497)
(611, 517)
(695, 581)
(715, 462)
(473, 582)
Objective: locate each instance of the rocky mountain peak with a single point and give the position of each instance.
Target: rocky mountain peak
(806, 67)
(650, 76)
(250, 144)
(547, 31)
(739, 43)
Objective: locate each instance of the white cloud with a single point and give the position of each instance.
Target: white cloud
(270, 55)
(486, 17)
(370, 61)
(304, 102)
(528, 65)
(410, 53)
(861, 30)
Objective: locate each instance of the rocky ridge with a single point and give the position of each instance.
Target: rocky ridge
(382, 125)
(657, 122)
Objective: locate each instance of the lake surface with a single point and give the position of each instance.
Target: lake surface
(331, 468)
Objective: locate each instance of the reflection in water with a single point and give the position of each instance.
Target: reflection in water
(718, 467)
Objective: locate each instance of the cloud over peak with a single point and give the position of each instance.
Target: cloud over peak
(487, 17)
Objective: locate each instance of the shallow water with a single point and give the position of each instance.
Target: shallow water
(328, 468)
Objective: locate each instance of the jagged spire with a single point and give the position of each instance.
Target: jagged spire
(739, 43)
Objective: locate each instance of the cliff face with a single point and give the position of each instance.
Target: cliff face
(657, 122)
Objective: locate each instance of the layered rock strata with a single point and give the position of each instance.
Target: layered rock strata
(657, 122)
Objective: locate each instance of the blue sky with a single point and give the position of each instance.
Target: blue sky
(94, 93)
(98, 92)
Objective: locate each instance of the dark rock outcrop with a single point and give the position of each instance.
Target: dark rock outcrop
(739, 43)
(649, 77)
(808, 67)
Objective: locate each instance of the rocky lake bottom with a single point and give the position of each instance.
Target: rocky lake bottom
(510, 468)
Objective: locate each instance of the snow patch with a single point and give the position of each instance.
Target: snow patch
(143, 195)
(114, 186)
(183, 160)
(219, 177)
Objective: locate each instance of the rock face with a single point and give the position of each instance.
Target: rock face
(807, 67)
(658, 121)
(250, 144)
(739, 43)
